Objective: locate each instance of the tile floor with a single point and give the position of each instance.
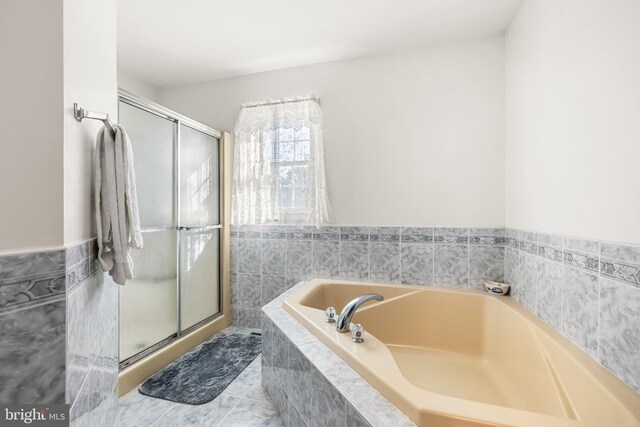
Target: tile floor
(242, 404)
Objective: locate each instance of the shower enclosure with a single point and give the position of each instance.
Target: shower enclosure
(177, 275)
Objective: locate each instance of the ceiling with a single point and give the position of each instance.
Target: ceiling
(170, 43)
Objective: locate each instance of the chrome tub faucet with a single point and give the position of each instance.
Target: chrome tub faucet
(344, 320)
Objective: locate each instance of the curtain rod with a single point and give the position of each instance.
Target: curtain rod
(280, 101)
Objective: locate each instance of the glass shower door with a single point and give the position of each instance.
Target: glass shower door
(176, 284)
(199, 230)
(148, 303)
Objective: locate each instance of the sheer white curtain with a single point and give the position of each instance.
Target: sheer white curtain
(278, 170)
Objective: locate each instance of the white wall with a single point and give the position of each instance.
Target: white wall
(573, 118)
(31, 180)
(138, 85)
(90, 80)
(411, 138)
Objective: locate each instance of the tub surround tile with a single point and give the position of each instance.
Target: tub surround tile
(416, 263)
(308, 390)
(331, 233)
(330, 407)
(485, 263)
(300, 233)
(326, 258)
(328, 363)
(301, 390)
(270, 232)
(451, 235)
(451, 266)
(549, 293)
(620, 252)
(249, 291)
(486, 236)
(590, 247)
(354, 419)
(275, 393)
(299, 258)
(272, 286)
(295, 419)
(373, 407)
(354, 234)
(552, 240)
(416, 235)
(274, 257)
(621, 270)
(620, 330)
(249, 256)
(533, 265)
(354, 260)
(384, 234)
(528, 281)
(247, 318)
(583, 261)
(384, 262)
(580, 309)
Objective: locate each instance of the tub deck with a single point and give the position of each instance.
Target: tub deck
(464, 357)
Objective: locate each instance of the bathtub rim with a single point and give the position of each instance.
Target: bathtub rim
(475, 411)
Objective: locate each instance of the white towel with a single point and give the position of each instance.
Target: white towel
(116, 204)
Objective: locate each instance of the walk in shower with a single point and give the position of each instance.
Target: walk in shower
(177, 275)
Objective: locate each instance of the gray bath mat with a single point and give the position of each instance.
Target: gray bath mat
(203, 373)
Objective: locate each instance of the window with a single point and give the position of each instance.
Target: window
(289, 152)
(278, 172)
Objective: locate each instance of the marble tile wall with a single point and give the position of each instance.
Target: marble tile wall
(92, 339)
(267, 260)
(587, 290)
(32, 327)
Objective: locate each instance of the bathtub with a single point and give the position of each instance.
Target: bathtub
(449, 357)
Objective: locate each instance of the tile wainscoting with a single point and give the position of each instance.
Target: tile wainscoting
(59, 332)
(587, 290)
(32, 327)
(268, 260)
(92, 339)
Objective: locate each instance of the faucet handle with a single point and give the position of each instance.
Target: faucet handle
(357, 333)
(330, 315)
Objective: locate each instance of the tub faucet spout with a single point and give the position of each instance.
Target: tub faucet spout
(344, 320)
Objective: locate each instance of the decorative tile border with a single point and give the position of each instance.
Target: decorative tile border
(31, 279)
(574, 284)
(278, 256)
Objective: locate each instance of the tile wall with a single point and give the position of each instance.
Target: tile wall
(267, 260)
(32, 327)
(587, 290)
(59, 332)
(92, 346)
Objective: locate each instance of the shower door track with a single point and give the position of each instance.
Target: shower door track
(163, 112)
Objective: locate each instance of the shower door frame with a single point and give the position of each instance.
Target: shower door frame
(183, 340)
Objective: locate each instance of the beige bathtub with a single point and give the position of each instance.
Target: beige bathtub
(464, 357)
